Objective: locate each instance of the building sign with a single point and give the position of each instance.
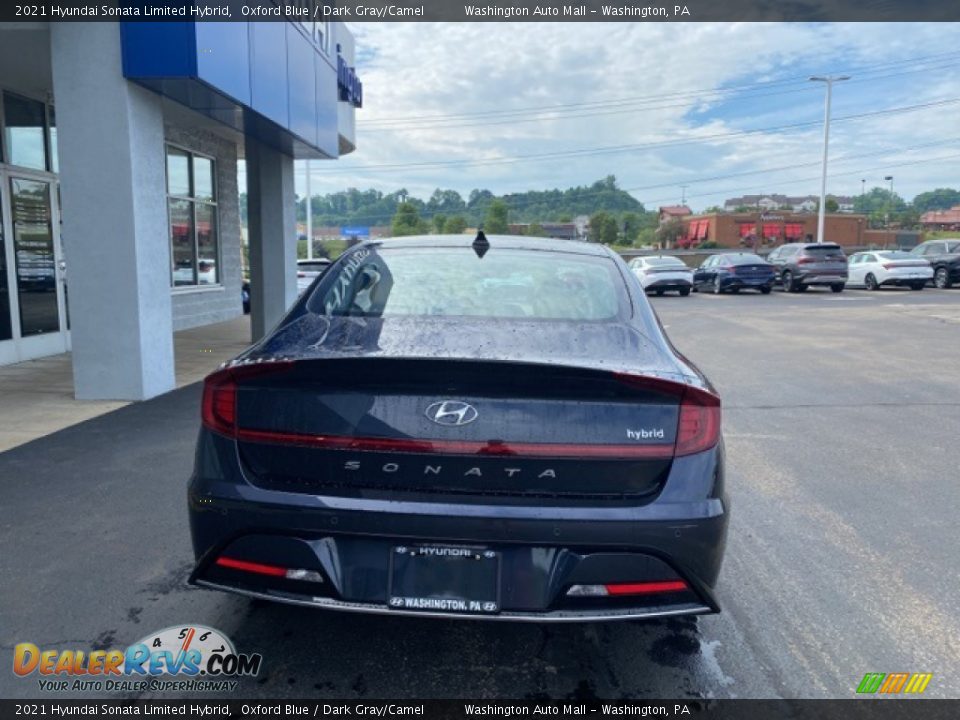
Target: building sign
(354, 231)
(348, 84)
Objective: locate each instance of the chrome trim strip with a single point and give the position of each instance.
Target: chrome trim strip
(550, 617)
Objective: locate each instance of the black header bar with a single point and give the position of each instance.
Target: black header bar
(490, 11)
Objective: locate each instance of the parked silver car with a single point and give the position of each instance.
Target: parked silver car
(800, 265)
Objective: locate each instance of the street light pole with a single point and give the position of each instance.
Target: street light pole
(828, 80)
(889, 178)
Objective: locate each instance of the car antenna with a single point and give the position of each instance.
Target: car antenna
(481, 244)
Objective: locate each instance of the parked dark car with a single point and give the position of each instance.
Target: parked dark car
(800, 265)
(944, 256)
(733, 272)
(494, 428)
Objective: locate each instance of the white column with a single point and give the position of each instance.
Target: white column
(113, 188)
(272, 227)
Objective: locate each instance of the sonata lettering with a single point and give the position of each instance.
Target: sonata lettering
(392, 468)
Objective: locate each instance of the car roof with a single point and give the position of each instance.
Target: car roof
(513, 242)
(811, 246)
(314, 260)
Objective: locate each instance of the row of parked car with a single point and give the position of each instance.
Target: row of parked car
(797, 266)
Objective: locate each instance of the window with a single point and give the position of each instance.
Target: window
(24, 132)
(441, 282)
(192, 210)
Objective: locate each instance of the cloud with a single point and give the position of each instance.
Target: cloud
(673, 83)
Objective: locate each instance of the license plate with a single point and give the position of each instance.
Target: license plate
(434, 578)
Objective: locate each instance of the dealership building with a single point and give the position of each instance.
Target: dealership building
(119, 198)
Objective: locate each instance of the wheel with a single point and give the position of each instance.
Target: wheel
(801, 287)
(941, 279)
(684, 292)
(717, 288)
(693, 288)
(659, 292)
(766, 289)
(870, 282)
(837, 287)
(917, 286)
(788, 284)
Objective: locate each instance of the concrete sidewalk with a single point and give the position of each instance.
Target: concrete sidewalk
(36, 397)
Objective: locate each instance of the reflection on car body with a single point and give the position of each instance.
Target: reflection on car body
(440, 428)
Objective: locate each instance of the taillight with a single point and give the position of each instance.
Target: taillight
(699, 426)
(805, 260)
(219, 405)
(301, 274)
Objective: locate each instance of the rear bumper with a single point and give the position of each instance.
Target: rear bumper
(680, 535)
(669, 284)
(732, 281)
(823, 279)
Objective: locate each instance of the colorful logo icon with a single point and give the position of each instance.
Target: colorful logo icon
(894, 683)
(187, 651)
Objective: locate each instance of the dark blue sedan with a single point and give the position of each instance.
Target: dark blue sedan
(734, 272)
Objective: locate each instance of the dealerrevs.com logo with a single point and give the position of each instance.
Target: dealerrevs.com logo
(178, 658)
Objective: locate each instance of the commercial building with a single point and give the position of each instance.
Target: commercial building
(119, 197)
(941, 219)
(769, 229)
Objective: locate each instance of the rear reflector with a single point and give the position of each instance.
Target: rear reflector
(269, 570)
(620, 589)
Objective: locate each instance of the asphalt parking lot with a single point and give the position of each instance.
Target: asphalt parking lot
(842, 424)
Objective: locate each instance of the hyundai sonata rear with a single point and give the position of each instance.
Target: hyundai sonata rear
(487, 429)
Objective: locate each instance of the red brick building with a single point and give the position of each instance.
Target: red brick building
(941, 219)
(769, 229)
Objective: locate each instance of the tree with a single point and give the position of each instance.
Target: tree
(495, 221)
(455, 225)
(939, 199)
(831, 205)
(439, 222)
(536, 230)
(603, 228)
(668, 233)
(631, 226)
(407, 221)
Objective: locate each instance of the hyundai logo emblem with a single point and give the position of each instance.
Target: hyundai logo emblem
(452, 413)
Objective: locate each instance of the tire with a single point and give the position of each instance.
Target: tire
(684, 292)
(789, 285)
(941, 279)
(870, 282)
(918, 286)
(801, 288)
(717, 288)
(837, 287)
(766, 289)
(659, 293)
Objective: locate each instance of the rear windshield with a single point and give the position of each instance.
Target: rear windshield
(319, 266)
(953, 247)
(664, 261)
(896, 255)
(452, 282)
(825, 251)
(746, 259)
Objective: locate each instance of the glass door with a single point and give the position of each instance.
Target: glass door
(32, 273)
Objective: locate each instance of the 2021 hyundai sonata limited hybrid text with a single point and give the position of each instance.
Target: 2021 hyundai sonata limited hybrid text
(487, 428)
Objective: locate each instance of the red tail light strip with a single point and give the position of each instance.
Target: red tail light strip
(647, 588)
(457, 447)
(251, 567)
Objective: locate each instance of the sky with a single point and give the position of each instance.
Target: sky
(723, 108)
